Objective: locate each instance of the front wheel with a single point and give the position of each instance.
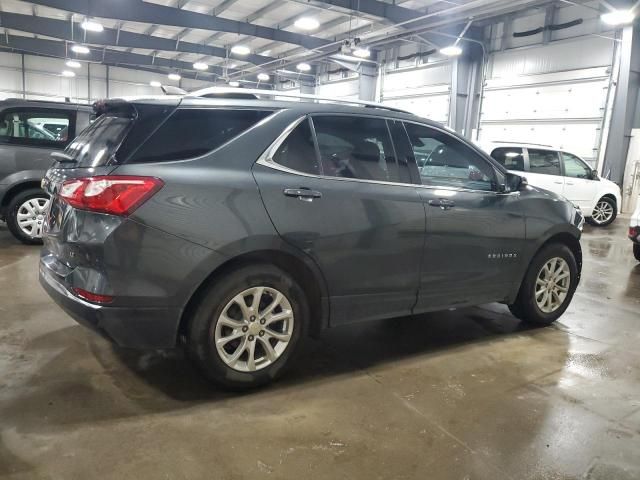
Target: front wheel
(26, 214)
(247, 326)
(548, 286)
(636, 251)
(604, 212)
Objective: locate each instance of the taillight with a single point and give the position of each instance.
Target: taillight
(634, 233)
(92, 297)
(112, 194)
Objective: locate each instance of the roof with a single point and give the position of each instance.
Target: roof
(19, 102)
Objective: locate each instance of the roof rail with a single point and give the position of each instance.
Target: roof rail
(230, 92)
(522, 143)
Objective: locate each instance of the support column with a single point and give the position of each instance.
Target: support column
(367, 79)
(308, 88)
(466, 82)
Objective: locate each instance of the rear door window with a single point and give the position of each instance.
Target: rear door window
(298, 152)
(192, 132)
(545, 162)
(511, 158)
(356, 147)
(37, 127)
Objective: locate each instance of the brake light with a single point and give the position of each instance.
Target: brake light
(112, 194)
(92, 297)
(634, 233)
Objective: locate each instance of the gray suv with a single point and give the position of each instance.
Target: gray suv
(239, 225)
(29, 132)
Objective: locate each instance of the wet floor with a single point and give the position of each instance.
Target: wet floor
(468, 394)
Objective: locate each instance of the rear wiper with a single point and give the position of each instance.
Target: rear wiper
(62, 157)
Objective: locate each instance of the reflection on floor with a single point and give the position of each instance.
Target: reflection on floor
(460, 394)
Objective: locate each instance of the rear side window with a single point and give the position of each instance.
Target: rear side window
(356, 147)
(190, 133)
(298, 151)
(545, 162)
(46, 128)
(511, 158)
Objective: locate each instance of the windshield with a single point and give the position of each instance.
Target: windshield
(98, 142)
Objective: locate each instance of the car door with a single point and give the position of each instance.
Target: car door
(341, 196)
(544, 169)
(475, 234)
(579, 185)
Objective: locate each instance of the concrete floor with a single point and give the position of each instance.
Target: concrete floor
(459, 395)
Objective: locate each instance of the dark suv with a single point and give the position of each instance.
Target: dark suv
(240, 225)
(29, 132)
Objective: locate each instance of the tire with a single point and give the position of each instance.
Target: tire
(21, 204)
(636, 251)
(598, 217)
(527, 307)
(221, 297)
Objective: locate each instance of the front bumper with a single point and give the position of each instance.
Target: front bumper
(141, 328)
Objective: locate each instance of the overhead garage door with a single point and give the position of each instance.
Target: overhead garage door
(553, 94)
(345, 89)
(423, 91)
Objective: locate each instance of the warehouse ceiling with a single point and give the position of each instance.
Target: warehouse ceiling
(175, 35)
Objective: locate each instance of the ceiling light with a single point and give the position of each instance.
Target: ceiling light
(234, 83)
(155, 83)
(92, 26)
(265, 53)
(303, 67)
(240, 50)
(80, 49)
(618, 17)
(362, 52)
(233, 65)
(451, 51)
(174, 76)
(200, 66)
(307, 23)
(68, 73)
(73, 64)
(263, 77)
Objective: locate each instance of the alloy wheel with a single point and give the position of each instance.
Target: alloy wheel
(30, 216)
(254, 329)
(552, 285)
(603, 212)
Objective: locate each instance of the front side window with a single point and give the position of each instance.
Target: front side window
(574, 167)
(511, 158)
(545, 162)
(446, 161)
(298, 151)
(192, 132)
(35, 127)
(356, 147)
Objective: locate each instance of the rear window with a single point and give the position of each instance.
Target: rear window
(99, 141)
(190, 133)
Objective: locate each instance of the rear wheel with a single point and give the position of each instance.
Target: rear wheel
(247, 326)
(604, 212)
(636, 251)
(26, 214)
(548, 286)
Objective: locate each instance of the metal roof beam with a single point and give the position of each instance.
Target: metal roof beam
(143, 12)
(371, 8)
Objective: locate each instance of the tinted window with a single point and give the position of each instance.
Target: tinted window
(97, 143)
(544, 161)
(404, 152)
(298, 151)
(189, 133)
(356, 147)
(574, 167)
(445, 161)
(510, 158)
(35, 127)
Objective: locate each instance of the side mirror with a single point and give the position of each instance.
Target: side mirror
(594, 175)
(513, 183)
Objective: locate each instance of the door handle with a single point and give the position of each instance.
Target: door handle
(302, 193)
(443, 203)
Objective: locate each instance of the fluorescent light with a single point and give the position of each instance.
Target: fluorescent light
(174, 76)
(362, 52)
(234, 83)
(451, 51)
(265, 53)
(73, 64)
(303, 67)
(80, 49)
(240, 50)
(68, 73)
(92, 26)
(155, 83)
(307, 23)
(618, 17)
(200, 66)
(263, 76)
(233, 65)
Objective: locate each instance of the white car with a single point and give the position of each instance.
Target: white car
(563, 173)
(634, 231)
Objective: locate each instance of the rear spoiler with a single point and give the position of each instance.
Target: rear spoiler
(171, 90)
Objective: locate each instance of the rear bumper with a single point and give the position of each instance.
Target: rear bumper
(141, 328)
